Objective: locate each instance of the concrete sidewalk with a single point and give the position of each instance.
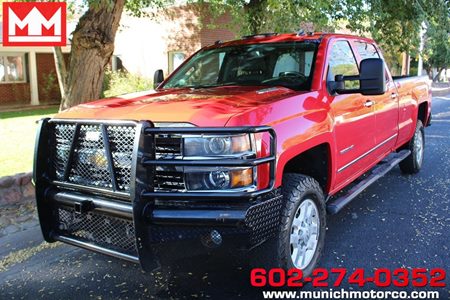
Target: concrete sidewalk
(440, 91)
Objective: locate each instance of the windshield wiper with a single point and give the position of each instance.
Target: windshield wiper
(205, 86)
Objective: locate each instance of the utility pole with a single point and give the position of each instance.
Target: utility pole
(423, 30)
(406, 63)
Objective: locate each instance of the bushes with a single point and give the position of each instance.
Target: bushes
(121, 82)
(50, 88)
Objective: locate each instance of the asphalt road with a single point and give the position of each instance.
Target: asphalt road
(400, 221)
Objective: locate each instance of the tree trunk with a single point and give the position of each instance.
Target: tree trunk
(92, 48)
(61, 70)
(254, 12)
(438, 75)
(405, 63)
(429, 71)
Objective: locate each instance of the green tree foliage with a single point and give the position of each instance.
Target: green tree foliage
(121, 82)
(394, 24)
(257, 16)
(436, 51)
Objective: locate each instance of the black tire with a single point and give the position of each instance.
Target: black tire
(413, 163)
(276, 253)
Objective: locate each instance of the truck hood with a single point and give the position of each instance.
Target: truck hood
(201, 107)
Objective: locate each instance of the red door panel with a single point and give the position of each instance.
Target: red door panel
(354, 127)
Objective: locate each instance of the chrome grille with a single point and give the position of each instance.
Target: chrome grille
(168, 147)
(168, 179)
(89, 165)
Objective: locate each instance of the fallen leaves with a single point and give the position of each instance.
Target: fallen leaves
(22, 255)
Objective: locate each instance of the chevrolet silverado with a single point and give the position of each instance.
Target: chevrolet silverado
(246, 146)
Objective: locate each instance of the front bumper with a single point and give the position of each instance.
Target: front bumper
(107, 226)
(150, 222)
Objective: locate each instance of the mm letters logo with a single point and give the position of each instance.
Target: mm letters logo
(34, 23)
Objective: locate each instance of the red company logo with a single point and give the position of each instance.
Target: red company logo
(34, 23)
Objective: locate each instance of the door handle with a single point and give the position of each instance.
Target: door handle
(369, 103)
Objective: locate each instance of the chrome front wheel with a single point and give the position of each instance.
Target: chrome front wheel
(304, 234)
(301, 237)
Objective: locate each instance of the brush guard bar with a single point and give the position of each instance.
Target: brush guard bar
(140, 203)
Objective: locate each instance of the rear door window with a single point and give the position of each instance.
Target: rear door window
(366, 50)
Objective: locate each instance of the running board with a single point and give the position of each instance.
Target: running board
(334, 206)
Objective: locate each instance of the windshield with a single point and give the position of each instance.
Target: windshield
(282, 64)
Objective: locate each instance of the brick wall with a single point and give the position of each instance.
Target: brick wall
(14, 93)
(19, 93)
(144, 44)
(181, 25)
(221, 29)
(47, 79)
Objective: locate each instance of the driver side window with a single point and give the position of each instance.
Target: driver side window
(343, 62)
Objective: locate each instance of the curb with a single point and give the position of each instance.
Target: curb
(439, 92)
(16, 189)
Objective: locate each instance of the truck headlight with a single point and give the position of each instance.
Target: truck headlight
(219, 178)
(218, 145)
(221, 147)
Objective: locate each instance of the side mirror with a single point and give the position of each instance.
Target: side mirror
(158, 78)
(372, 79)
(373, 76)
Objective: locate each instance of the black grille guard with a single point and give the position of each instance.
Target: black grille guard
(142, 193)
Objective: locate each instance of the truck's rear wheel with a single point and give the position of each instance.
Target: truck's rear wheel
(413, 163)
(300, 241)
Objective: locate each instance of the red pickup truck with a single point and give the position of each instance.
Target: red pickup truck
(246, 146)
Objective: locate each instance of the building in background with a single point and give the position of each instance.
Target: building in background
(142, 45)
(28, 75)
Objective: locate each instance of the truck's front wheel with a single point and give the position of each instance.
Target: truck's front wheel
(300, 241)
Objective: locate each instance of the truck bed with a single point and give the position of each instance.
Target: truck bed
(416, 87)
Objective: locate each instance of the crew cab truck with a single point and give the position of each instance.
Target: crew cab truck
(246, 146)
